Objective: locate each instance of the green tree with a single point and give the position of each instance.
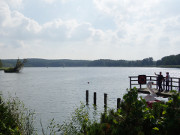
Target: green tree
(1, 63)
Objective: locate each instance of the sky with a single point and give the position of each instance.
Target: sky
(89, 29)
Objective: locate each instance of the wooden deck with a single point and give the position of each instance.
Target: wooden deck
(161, 94)
(174, 84)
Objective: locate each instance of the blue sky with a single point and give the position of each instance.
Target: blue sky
(89, 29)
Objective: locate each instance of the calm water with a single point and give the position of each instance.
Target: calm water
(55, 92)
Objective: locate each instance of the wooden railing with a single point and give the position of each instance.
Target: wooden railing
(174, 82)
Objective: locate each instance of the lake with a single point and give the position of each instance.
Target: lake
(56, 92)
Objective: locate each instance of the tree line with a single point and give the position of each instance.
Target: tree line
(81, 63)
(146, 62)
(169, 60)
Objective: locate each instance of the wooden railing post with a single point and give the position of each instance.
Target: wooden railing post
(163, 85)
(171, 84)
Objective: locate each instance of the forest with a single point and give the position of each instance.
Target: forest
(169, 61)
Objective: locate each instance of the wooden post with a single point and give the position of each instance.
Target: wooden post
(118, 102)
(105, 100)
(94, 98)
(171, 84)
(87, 97)
(179, 84)
(130, 82)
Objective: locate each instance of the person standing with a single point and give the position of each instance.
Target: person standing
(167, 81)
(160, 79)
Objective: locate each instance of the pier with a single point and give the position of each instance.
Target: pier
(140, 83)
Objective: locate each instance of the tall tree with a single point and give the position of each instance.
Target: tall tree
(1, 63)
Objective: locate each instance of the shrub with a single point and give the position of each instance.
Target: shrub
(15, 119)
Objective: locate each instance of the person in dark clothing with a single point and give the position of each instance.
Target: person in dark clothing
(160, 79)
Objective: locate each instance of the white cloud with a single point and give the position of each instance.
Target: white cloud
(50, 1)
(53, 1)
(15, 3)
(134, 27)
(137, 19)
(16, 27)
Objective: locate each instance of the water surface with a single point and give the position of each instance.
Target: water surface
(55, 92)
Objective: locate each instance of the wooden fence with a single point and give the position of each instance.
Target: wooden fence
(174, 82)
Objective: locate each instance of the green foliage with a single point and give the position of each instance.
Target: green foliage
(78, 124)
(133, 118)
(169, 60)
(1, 65)
(9, 70)
(83, 63)
(19, 65)
(15, 119)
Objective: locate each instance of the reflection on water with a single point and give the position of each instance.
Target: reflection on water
(55, 92)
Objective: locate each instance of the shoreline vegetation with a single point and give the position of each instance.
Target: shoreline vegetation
(15, 119)
(172, 61)
(16, 69)
(19, 65)
(133, 117)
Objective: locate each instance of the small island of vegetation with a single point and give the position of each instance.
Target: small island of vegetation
(16, 68)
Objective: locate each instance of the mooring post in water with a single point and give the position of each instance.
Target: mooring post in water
(171, 84)
(179, 84)
(105, 100)
(87, 97)
(130, 82)
(118, 102)
(94, 98)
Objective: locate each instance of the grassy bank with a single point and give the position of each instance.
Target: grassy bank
(3, 68)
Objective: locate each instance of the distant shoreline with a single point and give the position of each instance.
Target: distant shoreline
(172, 61)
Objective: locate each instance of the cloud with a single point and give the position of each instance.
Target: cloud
(16, 27)
(53, 1)
(16, 4)
(104, 27)
(49, 1)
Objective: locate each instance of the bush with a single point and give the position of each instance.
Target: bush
(15, 119)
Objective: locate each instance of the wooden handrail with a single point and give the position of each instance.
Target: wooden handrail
(173, 83)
